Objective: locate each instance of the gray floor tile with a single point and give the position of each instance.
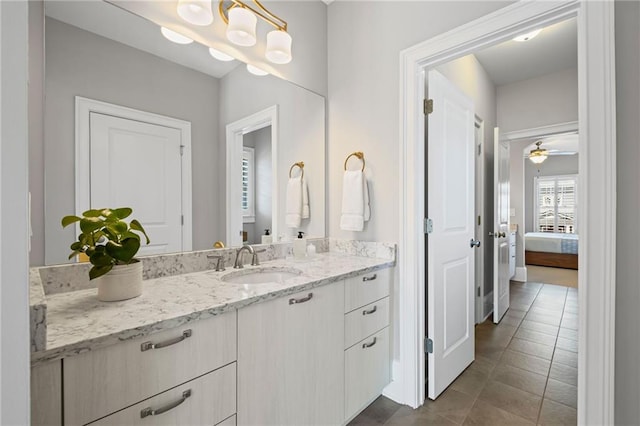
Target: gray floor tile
(540, 327)
(562, 392)
(531, 348)
(519, 378)
(565, 357)
(564, 373)
(567, 344)
(567, 333)
(511, 399)
(482, 413)
(554, 414)
(526, 362)
(536, 336)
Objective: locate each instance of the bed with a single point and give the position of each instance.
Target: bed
(551, 249)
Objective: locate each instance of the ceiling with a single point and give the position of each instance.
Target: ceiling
(124, 27)
(565, 144)
(554, 49)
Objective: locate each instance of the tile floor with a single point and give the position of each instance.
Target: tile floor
(525, 372)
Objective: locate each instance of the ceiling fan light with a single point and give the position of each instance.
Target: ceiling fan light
(174, 36)
(220, 55)
(242, 27)
(528, 36)
(256, 71)
(538, 155)
(278, 47)
(196, 12)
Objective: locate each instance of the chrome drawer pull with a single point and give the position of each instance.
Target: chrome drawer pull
(368, 345)
(151, 412)
(369, 312)
(301, 300)
(150, 345)
(371, 278)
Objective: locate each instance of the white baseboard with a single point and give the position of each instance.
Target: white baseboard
(521, 274)
(393, 390)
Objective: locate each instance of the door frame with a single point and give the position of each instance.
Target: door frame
(596, 79)
(83, 108)
(234, 134)
(480, 204)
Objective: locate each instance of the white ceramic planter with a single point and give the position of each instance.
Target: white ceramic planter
(121, 283)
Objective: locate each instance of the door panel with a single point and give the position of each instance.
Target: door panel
(450, 259)
(138, 165)
(501, 273)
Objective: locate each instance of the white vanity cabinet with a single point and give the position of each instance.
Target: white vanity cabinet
(103, 381)
(367, 346)
(291, 359)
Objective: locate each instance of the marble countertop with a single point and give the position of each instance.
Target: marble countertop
(78, 322)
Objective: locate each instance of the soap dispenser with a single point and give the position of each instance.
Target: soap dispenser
(300, 246)
(267, 238)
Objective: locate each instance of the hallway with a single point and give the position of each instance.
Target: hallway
(525, 370)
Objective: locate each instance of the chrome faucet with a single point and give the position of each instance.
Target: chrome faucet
(238, 262)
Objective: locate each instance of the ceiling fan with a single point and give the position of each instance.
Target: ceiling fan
(538, 154)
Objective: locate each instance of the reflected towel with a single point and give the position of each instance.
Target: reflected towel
(294, 202)
(305, 200)
(355, 201)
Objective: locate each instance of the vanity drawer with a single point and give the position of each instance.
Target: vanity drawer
(100, 382)
(366, 288)
(207, 400)
(365, 321)
(367, 371)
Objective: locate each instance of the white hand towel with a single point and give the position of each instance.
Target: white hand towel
(367, 206)
(294, 202)
(305, 200)
(355, 201)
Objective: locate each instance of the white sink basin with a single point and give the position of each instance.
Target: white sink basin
(261, 275)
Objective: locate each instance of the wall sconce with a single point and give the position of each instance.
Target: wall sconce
(538, 155)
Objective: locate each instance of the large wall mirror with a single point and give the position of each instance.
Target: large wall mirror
(131, 118)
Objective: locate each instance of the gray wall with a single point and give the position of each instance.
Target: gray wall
(260, 140)
(516, 194)
(84, 64)
(627, 390)
(552, 166)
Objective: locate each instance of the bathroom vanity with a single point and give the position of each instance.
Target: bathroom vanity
(205, 348)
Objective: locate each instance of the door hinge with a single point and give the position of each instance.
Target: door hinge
(181, 149)
(428, 225)
(428, 106)
(478, 291)
(428, 345)
(182, 220)
(479, 221)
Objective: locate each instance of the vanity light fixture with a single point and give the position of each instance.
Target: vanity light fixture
(538, 155)
(196, 12)
(220, 55)
(241, 19)
(174, 36)
(528, 36)
(256, 71)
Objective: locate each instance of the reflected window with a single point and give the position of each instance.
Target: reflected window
(248, 185)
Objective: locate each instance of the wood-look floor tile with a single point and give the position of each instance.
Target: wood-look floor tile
(526, 362)
(406, 416)
(554, 414)
(567, 344)
(564, 373)
(567, 333)
(482, 413)
(471, 381)
(531, 348)
(565, 357)
(540, 327)
(451, 404)
(513, 400)
(562, 392)
(377, 413)
(519, 378)
(545, 319)
(536, 336)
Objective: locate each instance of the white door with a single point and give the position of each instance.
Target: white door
(500, 232)
(450, 257)
(138, 165)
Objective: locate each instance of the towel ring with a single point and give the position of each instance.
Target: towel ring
(299, 164)
(358, 154)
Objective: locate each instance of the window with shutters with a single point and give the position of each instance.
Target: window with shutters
(556, 204)
(248, 185)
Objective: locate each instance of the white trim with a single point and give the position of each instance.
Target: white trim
(538, 132)
(521, 274)
(234, 134)
(596, 78)
(479, 211)
(84, 107)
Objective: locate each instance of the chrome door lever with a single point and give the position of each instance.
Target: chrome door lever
(474, 243)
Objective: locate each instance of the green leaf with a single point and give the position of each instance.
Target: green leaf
(98, 271)
(124, 251)
(92, 213)
(101, 259)
(90, 224)
(120, 227)
(68, 220)
(74, 254)
(137, 226)
(123, 212)
(76, 246)
(110, 235)
(130, 234)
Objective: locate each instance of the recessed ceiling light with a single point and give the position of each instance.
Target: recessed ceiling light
(528, 36)
(174, 36)
(220, 56)
(255, 70)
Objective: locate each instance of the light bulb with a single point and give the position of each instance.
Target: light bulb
(220, 56)
(278, 47)
(528, 36)
(174, 36)
(196, 12)
(256, 71)
(242, 27)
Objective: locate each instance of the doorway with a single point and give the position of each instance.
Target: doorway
(595, 400)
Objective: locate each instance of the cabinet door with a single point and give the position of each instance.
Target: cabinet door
(291, 359)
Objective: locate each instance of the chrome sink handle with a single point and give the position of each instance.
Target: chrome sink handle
(254, 259)
(219, 261)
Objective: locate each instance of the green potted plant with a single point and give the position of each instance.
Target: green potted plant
(110, 243)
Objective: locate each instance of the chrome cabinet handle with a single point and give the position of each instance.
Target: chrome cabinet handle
(369, 312)
(150, 345)
(371, 278)
(151, 412)
(301, 300)
(368, 345)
